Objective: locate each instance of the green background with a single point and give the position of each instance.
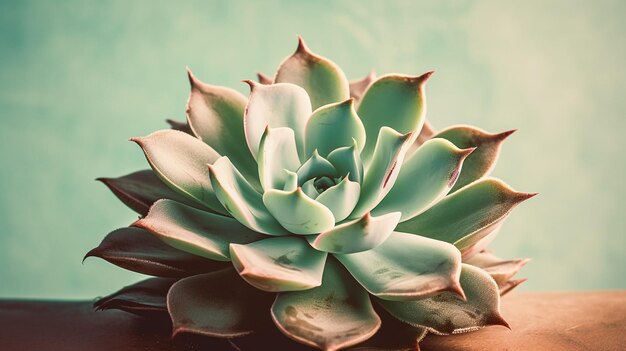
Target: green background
(78, 78)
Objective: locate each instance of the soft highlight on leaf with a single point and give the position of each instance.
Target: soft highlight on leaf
(297, 212)
(340, 198)
(278, 153)
(333, 126)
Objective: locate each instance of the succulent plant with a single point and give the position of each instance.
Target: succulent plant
(317, 207)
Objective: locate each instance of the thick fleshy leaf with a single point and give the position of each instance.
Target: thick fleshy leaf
(291, 181)
(145, 298)
(277, 153)
(180, 126)
(309, 189)
(218, 304)
(394, 101)
(276, 105)
(297, 212)
(241, 200)
(406, 267)
(467, 216)
(137, 250)
(335, 315)
(481, 161)
(316, 166)
(471, 246)
(180, 161)
(383, 170)
(215, 115)
(264, 79)
(393, 335)
(347, 161)
(510, 285)
(358, 87)
(139, 190)
(424, 179)
(323, 80)
(279, 264)
(500, 270)
(341, 198)
(448, 313)
(333, 126)
(355, 236)
(195, 231)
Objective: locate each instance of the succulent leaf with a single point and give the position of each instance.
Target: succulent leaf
(218, 304)
(466, 216)
(195, 231)
(277, 153)
(340, 198)
(394, 101)
(180, 160)
(180, 126)
(406, 267)
(316, 166)
(448, 313)
(323, 80)
(145, 298)
(510, 285)
(500, 270)
(215, 115)
(335, 315)
(359, 86)
(275, 106)
(483, 159)
(297, 212)
(137, 250)
(358, 235)
(424, 179)
(139, 190)
(383, 170)
(264, 78)
(333, 126)
(279, 264)
(347, 160)
(241, 200)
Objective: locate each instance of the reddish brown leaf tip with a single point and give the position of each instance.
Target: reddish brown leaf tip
(525, 196)
(424, 77)
(497, 319)
(302, 48)
(455, 287)
(504, 135)
(250, 83)
(263, 79)
(466, 152)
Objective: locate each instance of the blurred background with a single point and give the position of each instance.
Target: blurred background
(78, 78)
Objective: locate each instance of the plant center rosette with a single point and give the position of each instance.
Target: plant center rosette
(328, 210)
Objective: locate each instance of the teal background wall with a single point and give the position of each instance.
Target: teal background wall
(78, 78)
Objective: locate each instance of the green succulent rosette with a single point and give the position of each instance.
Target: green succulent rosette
(324, 209)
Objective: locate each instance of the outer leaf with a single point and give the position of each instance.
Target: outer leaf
(510, 285)
(180, 161)
(394, 101)
(297, 212)
(333, 126)
(264, 79)
(277, 154)
(139, 190)
(137, 250)
(316, 166)
(500, 270)
(335, 315)
(279, 264)
(359, 235)
(321, 78)
(482, 161)
(276, 105)
(195, 231)
(218, 304)
(406, 267)
(180, 126)
(424, 179)
(383, 170)
(467, 216)
(145, 298)
(471, 246)
(347, 161)
(447, 313)
(358, 87)
(341, 198)
(215, 115)
(241, 200)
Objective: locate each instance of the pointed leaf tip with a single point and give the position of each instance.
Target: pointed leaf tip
(252, 84)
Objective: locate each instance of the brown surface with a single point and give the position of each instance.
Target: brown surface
(540, 321)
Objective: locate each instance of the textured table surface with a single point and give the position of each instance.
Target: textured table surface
(539, 321)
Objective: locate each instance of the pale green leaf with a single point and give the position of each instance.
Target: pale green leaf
(279, 264)
(341, 198)
(333, 126)
(347, 162)
(277, 153)
(297, 212)
(406, 267)
(316, 166)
